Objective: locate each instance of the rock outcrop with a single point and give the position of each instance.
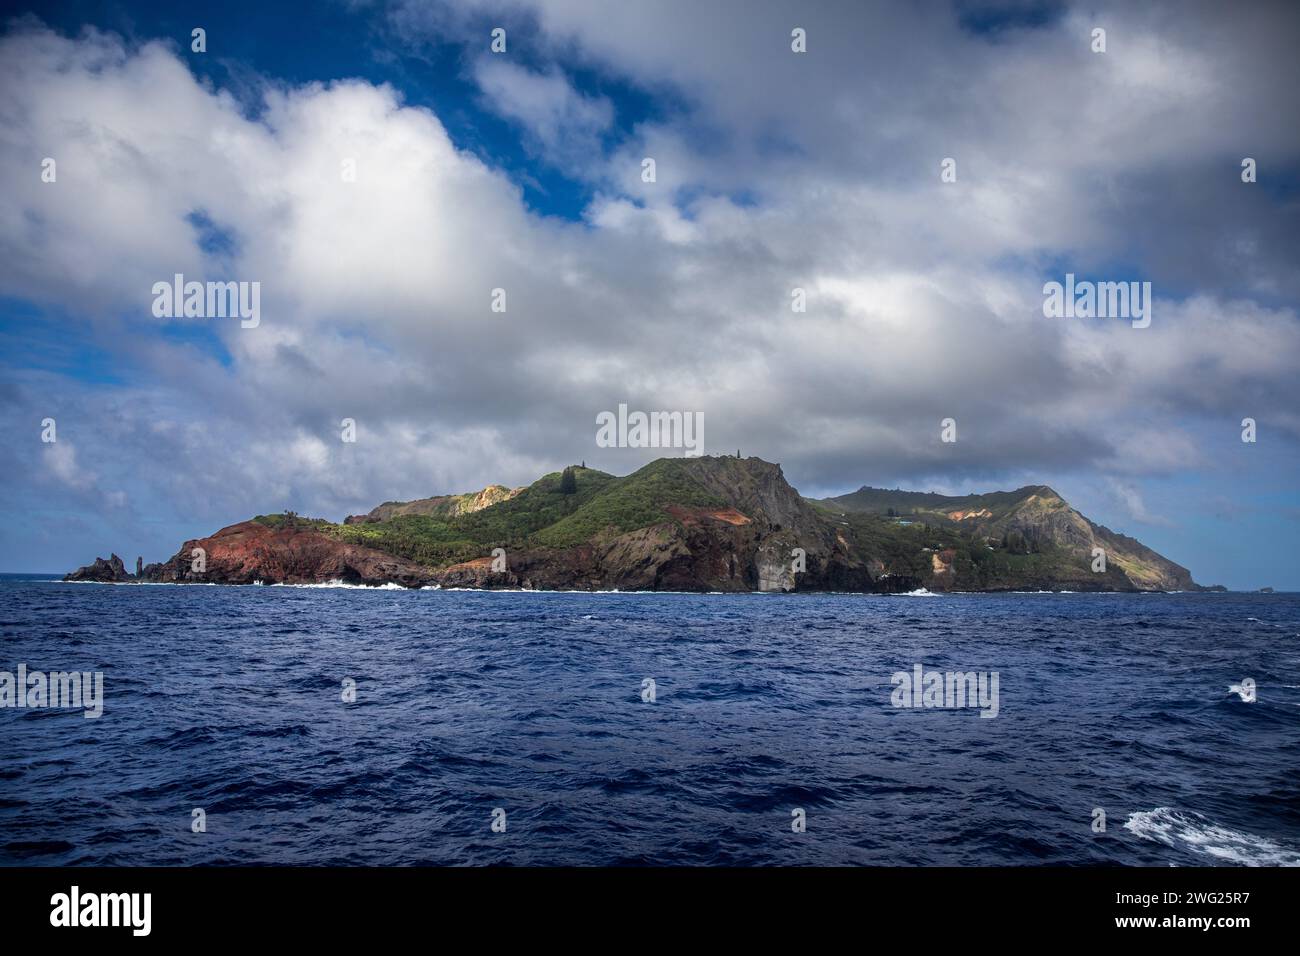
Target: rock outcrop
(109, 572)
(249, 552)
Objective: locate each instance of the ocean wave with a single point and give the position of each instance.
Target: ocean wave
(233, 698)
(1190, 831)
(147, 584)
(1246, 696)
(388, 586)
(1280, 627)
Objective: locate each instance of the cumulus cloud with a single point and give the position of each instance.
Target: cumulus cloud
(564, 125)
(775, 171)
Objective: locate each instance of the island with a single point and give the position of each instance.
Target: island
(713, 523)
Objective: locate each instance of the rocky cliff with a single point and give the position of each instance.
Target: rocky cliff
(1028, 539)
(251, 551)
(447, 506)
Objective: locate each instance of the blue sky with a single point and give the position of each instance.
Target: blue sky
(523, 171)
(338, 40)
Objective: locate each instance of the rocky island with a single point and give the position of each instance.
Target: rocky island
(680, 524)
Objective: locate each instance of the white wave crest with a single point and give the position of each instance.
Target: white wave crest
(1191, 831)
(1247, 695)
(389, 586)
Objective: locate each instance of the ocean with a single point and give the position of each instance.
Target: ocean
(522, 728)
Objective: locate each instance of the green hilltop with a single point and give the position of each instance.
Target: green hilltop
(730, 523)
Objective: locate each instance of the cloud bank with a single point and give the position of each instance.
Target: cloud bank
(775, 171)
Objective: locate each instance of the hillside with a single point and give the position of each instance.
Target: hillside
(697, 524)
(1009, 539)
(444, 506)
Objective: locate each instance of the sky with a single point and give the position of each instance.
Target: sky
(522, 170)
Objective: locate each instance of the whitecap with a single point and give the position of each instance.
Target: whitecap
(1246, 696)
(388, 586)
(1191, 831)
(150, 584)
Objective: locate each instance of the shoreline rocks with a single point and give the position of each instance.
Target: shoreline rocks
(111, 571)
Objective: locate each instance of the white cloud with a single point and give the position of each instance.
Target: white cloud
(565, 125)
(1133, 505)
(924, 298)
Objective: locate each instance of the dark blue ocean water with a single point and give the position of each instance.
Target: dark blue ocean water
(229, 699)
